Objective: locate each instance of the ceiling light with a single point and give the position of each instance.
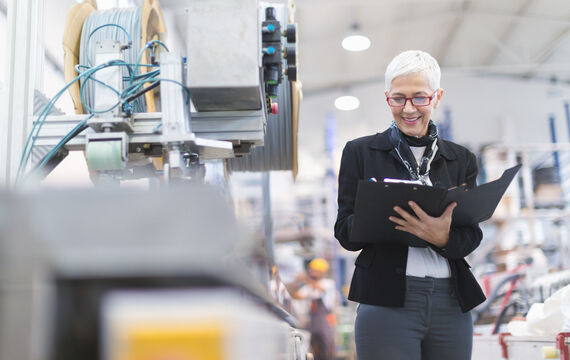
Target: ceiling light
(356, 43)
(347, 103)
(355, 40)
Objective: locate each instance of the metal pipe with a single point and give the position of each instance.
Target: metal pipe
(25, 25)
(267, 218)
(567, 112)
(552, 123)
(529, 196)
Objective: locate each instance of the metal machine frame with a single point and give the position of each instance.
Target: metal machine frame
(205, 135)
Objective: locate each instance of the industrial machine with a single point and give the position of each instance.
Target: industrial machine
(129, 280)
(234, 88)
(117, 275)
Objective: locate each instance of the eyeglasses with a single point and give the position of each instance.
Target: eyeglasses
(400, 101)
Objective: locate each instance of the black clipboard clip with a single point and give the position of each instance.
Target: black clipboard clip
(460, 187)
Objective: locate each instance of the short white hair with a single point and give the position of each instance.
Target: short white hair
(412, 62)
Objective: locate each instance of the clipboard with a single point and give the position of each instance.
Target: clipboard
(375, 202)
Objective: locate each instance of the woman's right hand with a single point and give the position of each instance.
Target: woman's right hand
(434, 230)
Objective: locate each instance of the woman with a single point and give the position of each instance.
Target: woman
(415, 302)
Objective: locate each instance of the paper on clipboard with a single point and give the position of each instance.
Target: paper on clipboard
(375, 202)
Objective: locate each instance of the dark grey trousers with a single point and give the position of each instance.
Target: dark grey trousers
(430, 326)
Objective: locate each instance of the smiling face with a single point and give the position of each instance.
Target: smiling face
(413, 120)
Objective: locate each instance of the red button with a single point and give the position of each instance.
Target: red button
(274, 108)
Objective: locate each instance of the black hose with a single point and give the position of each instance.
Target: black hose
(58, 153)
(501, 315)
(492, 297)
(142, 91)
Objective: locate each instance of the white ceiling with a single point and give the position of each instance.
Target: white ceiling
(526, 38)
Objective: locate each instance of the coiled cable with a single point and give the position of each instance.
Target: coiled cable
(122, 25)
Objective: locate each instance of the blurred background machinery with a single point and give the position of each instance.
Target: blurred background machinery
(157, 277)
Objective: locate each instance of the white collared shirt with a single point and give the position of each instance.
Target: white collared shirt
(424, 262)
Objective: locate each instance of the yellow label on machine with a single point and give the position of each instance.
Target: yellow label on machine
(159, 342)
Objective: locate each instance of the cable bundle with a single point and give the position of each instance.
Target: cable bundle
(36, 128)
(123, 25)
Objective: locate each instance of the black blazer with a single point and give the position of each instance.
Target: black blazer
(380, 274)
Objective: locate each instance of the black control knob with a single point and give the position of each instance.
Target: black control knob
(270, 13)
(291, 33)
(291, 54)
(291, 72)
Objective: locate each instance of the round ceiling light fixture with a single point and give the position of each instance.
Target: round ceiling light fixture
(356, 43)
(347, 103)
(355, 40)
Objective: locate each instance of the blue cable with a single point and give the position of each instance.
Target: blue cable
(89, 109)
(184, 87)
(135, 82)
(122, 25)
(100, 27)
(34, 133)
(147, 45)
(88, 75)
(142, 76)
(152, 42)
(105, 25)
(128, 20)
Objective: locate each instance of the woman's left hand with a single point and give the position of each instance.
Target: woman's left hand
(434, 230)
